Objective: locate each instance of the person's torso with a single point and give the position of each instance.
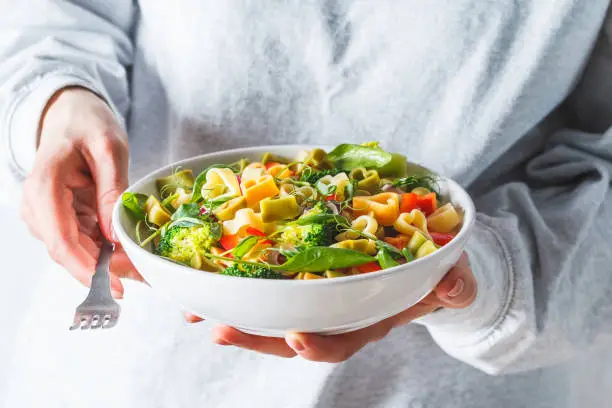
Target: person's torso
(452, 84)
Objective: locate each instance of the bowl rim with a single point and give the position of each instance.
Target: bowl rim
(468, 222)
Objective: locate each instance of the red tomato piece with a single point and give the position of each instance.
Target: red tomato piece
(369, 267)
(229, 241)
(270, 164)
(441, 239)
(255, 231)
(408, 202)
(427, 203)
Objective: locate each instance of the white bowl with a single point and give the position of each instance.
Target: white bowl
(274, 307)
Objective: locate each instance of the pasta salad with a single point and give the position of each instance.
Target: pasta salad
(355, 209)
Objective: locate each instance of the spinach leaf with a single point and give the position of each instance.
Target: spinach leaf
(320, 259)
(350, 156)
(190, 210)
(408, 255)
(385, 259)
(201, 179)
(244, 246)
(216, 231)
(187, 222)
(134, 203)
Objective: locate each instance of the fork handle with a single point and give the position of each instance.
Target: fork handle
(100, 281)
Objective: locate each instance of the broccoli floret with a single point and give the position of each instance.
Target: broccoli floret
(180, 243)
(315, 234)
(318, 208)
(306, 236)
(251, 271)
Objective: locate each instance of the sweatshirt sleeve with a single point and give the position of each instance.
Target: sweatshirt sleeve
(541, 253)
(47, 45)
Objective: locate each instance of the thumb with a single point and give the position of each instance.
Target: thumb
(458, 288)
(109, 169)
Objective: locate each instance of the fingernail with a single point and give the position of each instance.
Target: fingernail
(294, 342)
(457, 289)
(116, 294)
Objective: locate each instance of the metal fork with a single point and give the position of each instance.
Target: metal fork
(99, 309)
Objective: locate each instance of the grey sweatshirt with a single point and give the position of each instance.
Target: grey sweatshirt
(468, 88)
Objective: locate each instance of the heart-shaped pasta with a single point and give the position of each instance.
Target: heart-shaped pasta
(278, 209)
(383, 206)
(364, 223)
(301, 193)
(244, 218)
(444, 219)
(340, 181)
(367, 180)
(409, 223)
(221, 183)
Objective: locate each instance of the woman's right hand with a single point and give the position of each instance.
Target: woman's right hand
(79, 172)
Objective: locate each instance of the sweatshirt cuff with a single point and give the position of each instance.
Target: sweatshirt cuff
(491, 265)
(22, 122)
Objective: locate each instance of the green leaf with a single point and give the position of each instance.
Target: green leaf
(201, 179)
(320, 259)
(408, 255)
(216, 231)
(397, 167)
(190, 210)
(134, 203)
(350, 156)
(411, 182)
(385, 259)
(245, 246)
(187, 222)
(321, 219)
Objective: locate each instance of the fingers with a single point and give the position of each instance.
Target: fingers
(458, 288)
(107, 157)
(225, 336)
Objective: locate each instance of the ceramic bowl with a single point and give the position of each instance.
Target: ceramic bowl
(274, 307)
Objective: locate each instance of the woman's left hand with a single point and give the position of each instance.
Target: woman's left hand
(456, 290)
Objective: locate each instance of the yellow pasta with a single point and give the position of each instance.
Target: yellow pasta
(301, 193)
(244, 218)
(340, 180)
(367, 180)
(366, 246)
(280, 171)
(221, 183)
(444, 219)
(255, 191)
(364, 223)
(155, 213)
(409, 223)
(383, 206)
(227, 210)
(183, 198)
(427, 248)
(252, 172)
